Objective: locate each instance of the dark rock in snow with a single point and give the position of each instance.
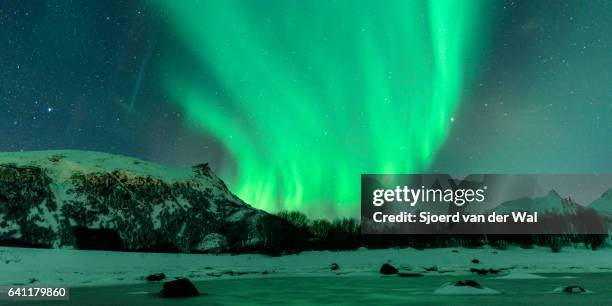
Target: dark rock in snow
(334, 266)
(388, 269)
(431, 269)
(575, 289)
(464, 287)
(156, 277)
(469, 283)
(479, 271)
(476, 261)
(181, 287)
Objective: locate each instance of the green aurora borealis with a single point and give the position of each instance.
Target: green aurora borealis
(314, 93)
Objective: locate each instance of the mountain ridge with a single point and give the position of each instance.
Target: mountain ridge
(551, 203)
(69, 198)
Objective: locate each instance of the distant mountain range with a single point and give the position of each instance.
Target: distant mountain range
(552, 203)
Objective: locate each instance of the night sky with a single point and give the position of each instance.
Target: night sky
(289, 102)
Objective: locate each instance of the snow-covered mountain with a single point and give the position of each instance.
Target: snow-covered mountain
(80, 199)
(552, 203)
(604, 203)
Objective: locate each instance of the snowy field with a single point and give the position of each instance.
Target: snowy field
(92, 268)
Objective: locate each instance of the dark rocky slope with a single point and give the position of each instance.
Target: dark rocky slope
(94, 200)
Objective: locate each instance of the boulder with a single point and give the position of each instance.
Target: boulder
(431, 269)
(388, 269)
(155, 277)
(574, 289)
(178, 288)
(468, 282)
(464, 287)
(479, 271)
(334, 266)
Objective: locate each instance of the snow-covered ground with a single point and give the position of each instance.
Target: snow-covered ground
(88, 268)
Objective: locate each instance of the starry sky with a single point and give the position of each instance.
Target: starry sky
(289, 102)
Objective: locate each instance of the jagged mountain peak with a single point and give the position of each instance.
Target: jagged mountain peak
(553, 194)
